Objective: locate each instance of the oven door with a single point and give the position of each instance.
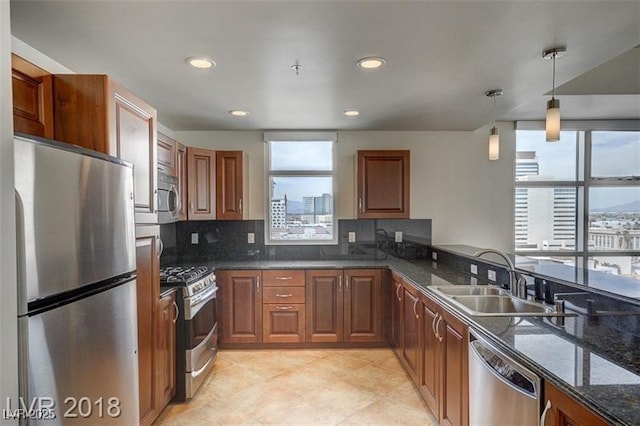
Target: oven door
(201, 333)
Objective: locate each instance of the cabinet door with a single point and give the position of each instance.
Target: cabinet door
(566, 411)
(383, 184)
(363, 305)
(181, 173)
(32, 98)
(166, 154)
(133, 137)
(455, 407)
(241, 298)
(396, 307)
(431, 354)
(325, 307)
(167, 313)
(410, 331)
(283, 323)
(201, 184)
(148, 285)
(229, 185)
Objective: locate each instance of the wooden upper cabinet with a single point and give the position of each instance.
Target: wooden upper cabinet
(98, 113)
(201, 184)
(566, 411)
(229, 185)
(383, 184)
(167, 155)
(181, 173)
(32, 98)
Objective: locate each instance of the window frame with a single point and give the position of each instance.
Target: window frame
(300, 137)
(583, 183)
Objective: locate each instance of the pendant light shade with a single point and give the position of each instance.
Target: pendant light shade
(553, 105)
(494, 144)
(494, 137)
(553, 120)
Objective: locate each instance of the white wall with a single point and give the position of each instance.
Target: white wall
(8, 285)
(468, 197)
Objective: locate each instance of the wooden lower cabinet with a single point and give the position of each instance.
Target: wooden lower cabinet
(566, 411)
(240, 297)
(363, 305)
(148, 289)
(442, 373)
(325, 306)
(410, 337)
(167, 310)
(431, 355)
(396, 307)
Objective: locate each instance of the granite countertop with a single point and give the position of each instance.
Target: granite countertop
(590, 358)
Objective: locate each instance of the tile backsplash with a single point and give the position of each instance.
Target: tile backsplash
(228, 240)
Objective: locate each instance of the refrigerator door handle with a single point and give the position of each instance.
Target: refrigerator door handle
(21, 256)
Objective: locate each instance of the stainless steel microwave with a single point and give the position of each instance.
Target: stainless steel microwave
(168, 198)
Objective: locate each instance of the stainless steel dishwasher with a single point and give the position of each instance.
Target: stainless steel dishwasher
(501, 391)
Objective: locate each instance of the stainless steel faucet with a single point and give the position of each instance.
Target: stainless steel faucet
(517, 283)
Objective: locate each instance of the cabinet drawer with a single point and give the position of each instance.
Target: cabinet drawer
(283, 278)
(283, 295)
(283, 323)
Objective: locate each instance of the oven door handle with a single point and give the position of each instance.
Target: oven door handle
(192, 311)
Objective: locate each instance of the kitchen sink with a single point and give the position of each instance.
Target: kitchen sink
(501, 305)
(469, 290)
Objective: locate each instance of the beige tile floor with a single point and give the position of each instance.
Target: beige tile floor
(325, 386)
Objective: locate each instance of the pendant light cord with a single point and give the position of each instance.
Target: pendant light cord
(553, 86)
(494, 110)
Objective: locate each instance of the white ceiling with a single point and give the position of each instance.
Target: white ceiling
(442, 56)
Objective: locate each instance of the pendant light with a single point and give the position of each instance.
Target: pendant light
(553, 105)
(494, 137)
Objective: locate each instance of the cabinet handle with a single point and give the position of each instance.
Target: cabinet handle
(543, 417)
(175, 306)
(258, 284)
(240, 205)
(360, 204)
(284, 308)
(158, 201)
(160, 247)
(347, 283)
(414, 308)
(438, 329)
(284, 295)
(284, 278)
(191, 206)
(398, 292)
(433, 325)
(340, 283)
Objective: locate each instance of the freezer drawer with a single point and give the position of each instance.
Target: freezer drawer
(501, 391)
(84, 356)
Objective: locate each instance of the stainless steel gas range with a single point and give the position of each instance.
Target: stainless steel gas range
(196, 326)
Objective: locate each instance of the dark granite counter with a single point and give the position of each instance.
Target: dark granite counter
(594, 358)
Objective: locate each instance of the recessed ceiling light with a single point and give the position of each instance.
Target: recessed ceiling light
(351, 112)
(238, 113)
(371, 63)
(200, 62)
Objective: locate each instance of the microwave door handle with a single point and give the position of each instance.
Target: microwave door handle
(176, 206)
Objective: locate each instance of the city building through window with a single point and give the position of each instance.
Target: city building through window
(301, 187)
(577, 203)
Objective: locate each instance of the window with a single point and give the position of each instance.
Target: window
(301, 187)
(577, 204)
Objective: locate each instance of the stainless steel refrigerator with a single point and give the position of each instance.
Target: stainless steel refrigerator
(77, 313)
